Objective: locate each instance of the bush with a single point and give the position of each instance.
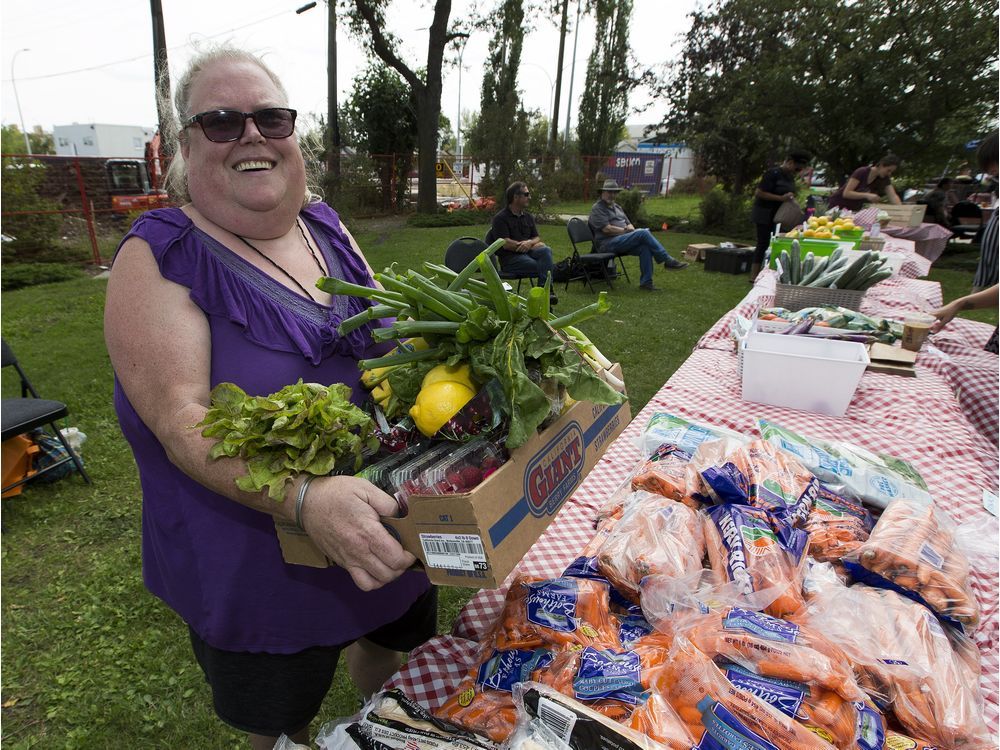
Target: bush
(31, 232)
(631, 203)
(458, 218)
(723, 211)
(19, 275)
(693, 185)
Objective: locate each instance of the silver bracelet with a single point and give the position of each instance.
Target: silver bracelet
(300, 498)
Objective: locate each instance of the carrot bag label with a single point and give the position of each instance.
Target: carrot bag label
(553, 605)
(604, 674)
(764, 626)
(503, 669)
(760, 475)
(723, 731)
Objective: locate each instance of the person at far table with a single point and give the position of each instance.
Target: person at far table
(614, 233)
(523, 252)
(777, 186)
(868, 185)
(940, 201)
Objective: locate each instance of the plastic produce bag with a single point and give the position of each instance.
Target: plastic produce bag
(618, 685)
(760, 475)
(912, 550)
(926, 674)
(670, 473)
(654, 537)
(836, 526)
(576, 725)
(391, 721)
(720, 715)
(686, 435)
(877, 479)
(761, 553)
(556, 613)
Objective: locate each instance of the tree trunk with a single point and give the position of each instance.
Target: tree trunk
(428, 110)
(332, 115)
(161, 75)
(559, 68)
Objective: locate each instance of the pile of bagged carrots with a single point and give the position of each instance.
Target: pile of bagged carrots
(729, 599)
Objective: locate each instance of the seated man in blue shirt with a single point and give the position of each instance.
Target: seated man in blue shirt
(614, 233)
(523, 252)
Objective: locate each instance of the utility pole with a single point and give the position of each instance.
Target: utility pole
(161, 73)
(572, 72)
(333, 120)
(554, 135)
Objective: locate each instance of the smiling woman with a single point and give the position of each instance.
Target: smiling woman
(223, 289)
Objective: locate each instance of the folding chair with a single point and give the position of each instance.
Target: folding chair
(579, 232)
(966, 220)
(462, 251)
(21, 415)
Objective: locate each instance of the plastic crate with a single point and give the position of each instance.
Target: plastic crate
(819, 248)
(735, 261)
(802, 372)
(795, 298)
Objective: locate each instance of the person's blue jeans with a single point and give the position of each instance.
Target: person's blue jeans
(537, 261)
(641, 242)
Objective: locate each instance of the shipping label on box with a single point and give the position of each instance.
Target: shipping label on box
(475, 539)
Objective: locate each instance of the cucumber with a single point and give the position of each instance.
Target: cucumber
(826, 280)
(785, 264)
(853, 270)
(835, 255)
(818, 269)
(807, 265)
(875, 278)
(794, 273)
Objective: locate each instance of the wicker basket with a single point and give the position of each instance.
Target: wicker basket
(796, 297)
(874, 244)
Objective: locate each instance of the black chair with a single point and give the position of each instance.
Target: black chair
(966, 220)
(579, 232)
(21, 415)
(463, 251)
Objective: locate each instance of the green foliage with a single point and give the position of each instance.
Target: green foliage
(12, 140)
(449, 219)
(381, 120)
(33, 232)
(631, 202)
(18, 275)
(604, 102)
(499, 136)
(851, 81)
(723, 211)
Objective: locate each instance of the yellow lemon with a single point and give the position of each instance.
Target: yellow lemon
(809, 233)
(437, 403)
(455, 373)
(824, 234)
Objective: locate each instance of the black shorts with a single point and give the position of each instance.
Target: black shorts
(271, 694)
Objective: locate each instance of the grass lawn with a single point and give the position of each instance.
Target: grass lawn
(685, 206)
(90, 659)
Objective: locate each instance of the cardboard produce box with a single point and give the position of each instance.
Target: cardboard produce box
(904, 215)
(697, 251)
(475, 539)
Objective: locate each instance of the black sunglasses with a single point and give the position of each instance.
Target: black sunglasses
(526, 195)
(227, 125)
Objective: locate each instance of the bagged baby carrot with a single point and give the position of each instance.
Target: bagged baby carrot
(760, 475)
(925, 674)
(482, 702)
(719, 714)
(656, 536)
(617, 684)
(686, 435)
(760, 552)
(912, 550)
(896, 741)
(669, 472)
(836, 526)
(556, 613)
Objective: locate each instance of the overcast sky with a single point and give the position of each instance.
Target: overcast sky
(91, 61)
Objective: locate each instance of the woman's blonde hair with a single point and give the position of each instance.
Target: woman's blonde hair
(178, 111)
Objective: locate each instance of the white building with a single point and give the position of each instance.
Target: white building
(97, 139)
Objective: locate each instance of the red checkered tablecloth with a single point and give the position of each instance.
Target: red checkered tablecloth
(917, 419)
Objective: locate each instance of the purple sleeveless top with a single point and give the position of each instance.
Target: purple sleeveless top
(214, 561)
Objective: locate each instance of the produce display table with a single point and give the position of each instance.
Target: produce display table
(917, 419)
(930, 239)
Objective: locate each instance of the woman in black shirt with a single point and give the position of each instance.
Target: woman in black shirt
(776, 186)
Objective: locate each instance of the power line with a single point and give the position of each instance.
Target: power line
(145, 55)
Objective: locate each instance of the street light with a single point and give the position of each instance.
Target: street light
(13, 82)
(458, 121)
(552, 90)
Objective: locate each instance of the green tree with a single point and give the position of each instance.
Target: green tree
(367, 20)
(848, 81)
(499, 138)
(604, 103)
(12, 140)
(381, 120)
(21, 183)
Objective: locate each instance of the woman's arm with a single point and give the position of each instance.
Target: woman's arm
(160, 348)
(851, 192)
(766, 196)
(986, 298)
(890, 193)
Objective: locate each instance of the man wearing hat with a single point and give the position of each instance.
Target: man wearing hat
(614, 233)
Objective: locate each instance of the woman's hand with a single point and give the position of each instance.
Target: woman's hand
(341, 515)
(945, 314)
(874, 197)
(788, 197)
